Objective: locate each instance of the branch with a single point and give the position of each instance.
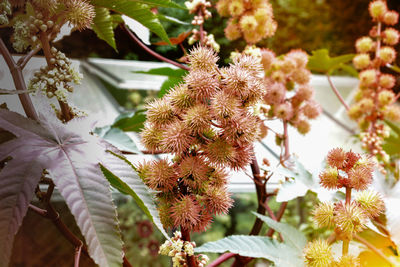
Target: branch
(13, 92)
(19, 82)
(24, 60)
(337, 93)
(133, 37)
(374, 249)
(224, 257)
(51, 214)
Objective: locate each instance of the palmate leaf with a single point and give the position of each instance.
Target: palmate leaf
(103, 26)
(124, 178)
(117, 138)
(136, 10)
(72, 156)
(291, 235)
(131, 122)
(320, 61)
(281, 254)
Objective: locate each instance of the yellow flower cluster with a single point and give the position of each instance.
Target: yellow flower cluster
(375, 100)
(254, 20)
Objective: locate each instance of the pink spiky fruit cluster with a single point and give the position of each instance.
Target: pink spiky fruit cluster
(207, 124)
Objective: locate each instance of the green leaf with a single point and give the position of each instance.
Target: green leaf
(175, 76)
(393, 126)
(394, 68)
(137, 11)
(117, 138)
(291, 235)
(131, 122)
(299, 182)
(125, 179)
(161, 3)
(103, 26)
(255, 247)
(391, 144)
(320, 61)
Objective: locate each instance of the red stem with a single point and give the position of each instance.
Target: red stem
(221, 259)
(150, 51)
(77, 255)
(191, 261)
(337, 93)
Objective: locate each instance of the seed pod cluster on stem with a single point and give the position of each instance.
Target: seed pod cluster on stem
(254, 20)
(375, 100)
(351, 171)
(207, 124)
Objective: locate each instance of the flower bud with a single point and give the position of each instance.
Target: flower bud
(391, 18)
(361, 61)
(386, 97)
(387, 54)
(368, 77)
(391, 36)
(364, 44)
(377, 9)
(232, 30)
(387, 81)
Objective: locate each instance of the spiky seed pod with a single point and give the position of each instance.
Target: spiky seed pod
(224, 106)
(164, 210)
(236, 8)
(223, 8)
(364, 44)
(390, 36)
(248, 63)
(371, 202)
(201, 84)
(301, 76)
(387, 54)
(49, 5)
(218, 200)
(236, 81)
(299, 56)
(304, 93)
(179, 97)
(232, 30)
(302, 126)
(202, 58)
(243, 156)
(351, 159)
(312, 109)
(79, 13)
(220, 152)
(336, 158)
(248, 23)
(217, 177)
(284, 111)
(151, 137)
(275, 94)
(329, 178)
(386, 97)
(241, 129)
(177, 138)
(391, 18)
(323, 215)
(318, 254)
(350, 218)
(267, 57)
(161, 176)
(366, 104)
(367, 162)
(348, 261)
(185, 212)
(288, 65)
(144, 169)
(197, 118)
(360, 177)
(362, 61)
(204, 222)
(160, 112)
(392, 112)
(377, 9)
(368, 77)
(387, 81)
(193, 170)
